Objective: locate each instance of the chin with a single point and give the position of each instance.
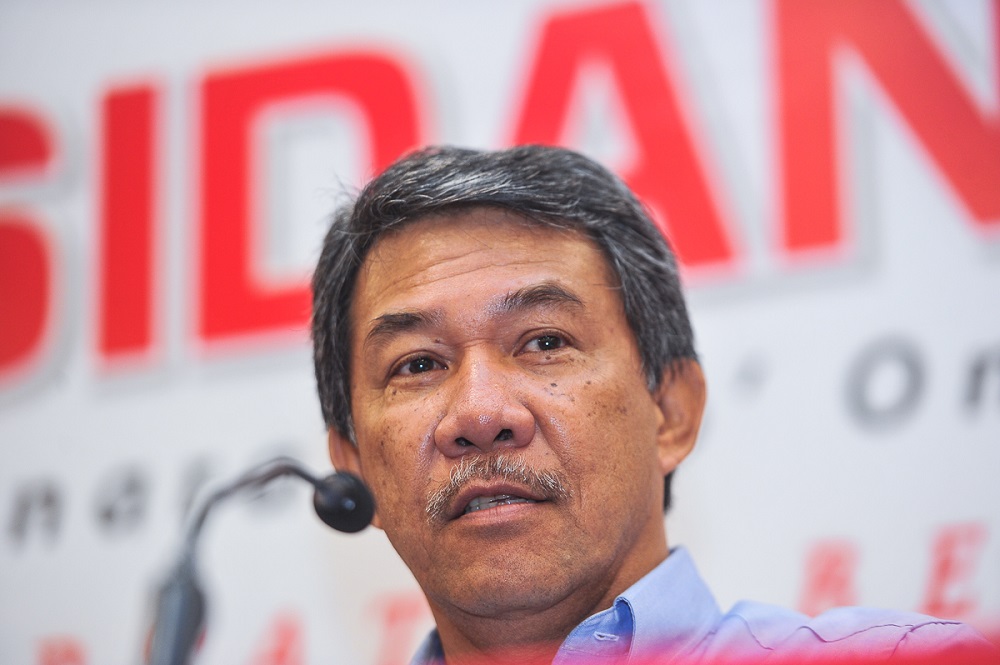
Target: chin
(500, 590)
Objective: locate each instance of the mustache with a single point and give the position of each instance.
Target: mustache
(551, 484)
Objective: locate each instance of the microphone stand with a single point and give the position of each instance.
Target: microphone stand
(341, 500)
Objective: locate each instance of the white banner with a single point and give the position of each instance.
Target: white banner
(829, 174)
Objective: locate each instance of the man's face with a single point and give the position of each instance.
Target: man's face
(476, 336)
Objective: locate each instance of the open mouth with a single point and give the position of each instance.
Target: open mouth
(487, 502)
(483, 483)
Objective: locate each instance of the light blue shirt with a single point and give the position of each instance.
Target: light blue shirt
(670, 615)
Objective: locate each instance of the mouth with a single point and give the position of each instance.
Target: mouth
(481, 486)
(479, 498)
(487, 502)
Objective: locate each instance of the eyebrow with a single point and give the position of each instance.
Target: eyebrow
(388, 325)
(546, 294)
(539, 295)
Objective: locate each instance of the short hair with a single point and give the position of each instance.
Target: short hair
(549, 186)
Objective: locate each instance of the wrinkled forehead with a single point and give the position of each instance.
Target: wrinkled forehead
(424, 249)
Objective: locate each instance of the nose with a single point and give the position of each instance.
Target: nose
(485, 410)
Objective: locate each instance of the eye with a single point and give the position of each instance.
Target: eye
(418, 365)
(546, 342)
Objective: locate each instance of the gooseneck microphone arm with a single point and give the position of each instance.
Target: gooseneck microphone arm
(337, 500)
(341, 500)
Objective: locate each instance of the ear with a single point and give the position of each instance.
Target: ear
(681, 399)
(346, 457)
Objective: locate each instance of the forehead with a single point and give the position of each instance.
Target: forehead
(477, 252)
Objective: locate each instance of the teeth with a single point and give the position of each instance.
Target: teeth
(484, 502)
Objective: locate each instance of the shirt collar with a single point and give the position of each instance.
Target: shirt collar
(666, 613)
(672, 609)
(430, 651)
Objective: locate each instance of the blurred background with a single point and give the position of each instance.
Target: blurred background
(829, 173)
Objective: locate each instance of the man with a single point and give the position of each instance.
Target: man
(504, 355)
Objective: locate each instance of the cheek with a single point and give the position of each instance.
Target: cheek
(397, 450)
(396, 484)
(609, 436)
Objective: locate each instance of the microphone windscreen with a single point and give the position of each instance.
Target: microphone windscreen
(343, 502)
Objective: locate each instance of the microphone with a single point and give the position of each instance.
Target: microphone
(341, 500)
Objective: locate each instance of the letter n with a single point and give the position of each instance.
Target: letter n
(961, 138)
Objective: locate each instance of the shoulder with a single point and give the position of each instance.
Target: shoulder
(759, 630)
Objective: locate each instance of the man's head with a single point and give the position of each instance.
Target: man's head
(504, 355)
(549, 186)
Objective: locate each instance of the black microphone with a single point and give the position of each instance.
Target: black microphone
(341, 500)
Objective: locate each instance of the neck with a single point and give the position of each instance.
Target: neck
(534, 635)
(515, 638)
(460, 652)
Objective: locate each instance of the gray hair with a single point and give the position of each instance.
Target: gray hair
(549, 485)
(549, 186)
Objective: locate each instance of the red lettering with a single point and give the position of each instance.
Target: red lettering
(25, 146)
(283, 645)
(61, 651)
(25, 257)
(961, 138)
(25, 291)
(956, 553)
(667, 174)
(126, 234)
(830, 574)
(234, 300)
(401, 614)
